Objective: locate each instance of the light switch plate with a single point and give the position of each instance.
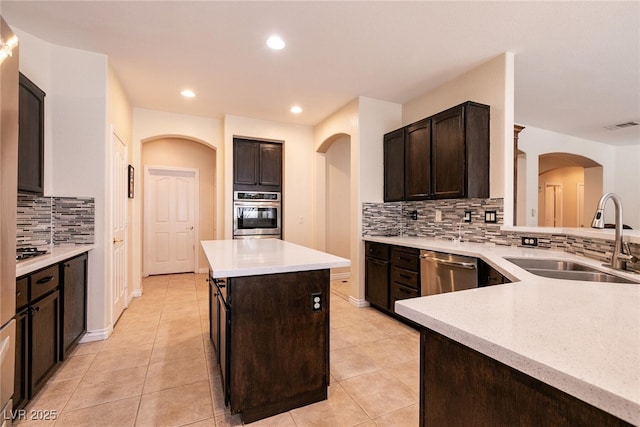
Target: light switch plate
(467, 216)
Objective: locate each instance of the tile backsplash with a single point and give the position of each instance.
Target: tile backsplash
(395, 219)
(42, 221)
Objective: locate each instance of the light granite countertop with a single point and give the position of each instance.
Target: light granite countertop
(56, 254)
(253, 257)
(580, 337)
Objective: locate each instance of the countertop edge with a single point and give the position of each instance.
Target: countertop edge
(603, 398)
(598, 397)
(252, 257)
(56, 254)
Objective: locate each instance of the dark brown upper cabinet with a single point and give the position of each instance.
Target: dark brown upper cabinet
(394, 166)
(31, 138)
(417, 156)
(445, 156)
(257, 165)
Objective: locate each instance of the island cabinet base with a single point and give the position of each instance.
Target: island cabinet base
(462, 387)
(278, 342)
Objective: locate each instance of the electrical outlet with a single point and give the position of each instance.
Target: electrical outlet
(414, 215)
(467, 216)
(529, 241)
(438, 215)
(490, 216)
(316, 302)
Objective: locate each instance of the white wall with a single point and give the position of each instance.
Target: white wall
(535, 141)
(627, 183)
(150, 124)
(75, 82)
(298, 173)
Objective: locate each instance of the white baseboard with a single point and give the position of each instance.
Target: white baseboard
(96, 335)
(137, 293)
(340, 276)
(360, 303)
(203, 270)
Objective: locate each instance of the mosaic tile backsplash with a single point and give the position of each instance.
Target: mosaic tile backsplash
(395, 219)
(42, 221)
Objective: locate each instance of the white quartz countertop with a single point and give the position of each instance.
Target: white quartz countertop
(252, 257)
(580, 337)
(56, 254)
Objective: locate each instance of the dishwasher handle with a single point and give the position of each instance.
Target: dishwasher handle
(458, 264)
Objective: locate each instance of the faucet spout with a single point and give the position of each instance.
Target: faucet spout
(619, 258)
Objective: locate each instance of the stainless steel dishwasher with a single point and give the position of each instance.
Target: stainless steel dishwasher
(441, 272)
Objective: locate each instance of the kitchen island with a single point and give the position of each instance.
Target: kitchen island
(269, 323)
(537, 351)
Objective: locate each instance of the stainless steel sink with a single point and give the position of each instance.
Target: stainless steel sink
(566, 270)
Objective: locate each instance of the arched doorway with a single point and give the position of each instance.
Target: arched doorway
(569, 186)
(179, 153)
(336, 151)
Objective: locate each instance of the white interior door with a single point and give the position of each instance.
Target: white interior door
(119, 186)
(553, 205)
(170, 218)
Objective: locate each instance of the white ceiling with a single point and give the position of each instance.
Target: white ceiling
(577, 64)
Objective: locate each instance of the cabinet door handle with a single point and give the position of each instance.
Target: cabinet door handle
(18, 293)
(44, 280)
(67, 265)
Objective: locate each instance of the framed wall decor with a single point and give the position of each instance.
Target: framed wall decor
(130, 181)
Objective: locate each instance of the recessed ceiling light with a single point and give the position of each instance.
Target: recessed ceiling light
(296, 109)
(275, 42)
(188, 93)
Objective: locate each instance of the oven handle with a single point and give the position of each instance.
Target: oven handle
(255, 204)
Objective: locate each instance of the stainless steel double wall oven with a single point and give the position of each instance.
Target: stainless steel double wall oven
(257, 214)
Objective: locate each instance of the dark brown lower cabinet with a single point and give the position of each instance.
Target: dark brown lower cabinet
(44, 328)
(21, 377)
(51, 318)
(274, 342)
(74, 302)
(37, 347)
(462, 387)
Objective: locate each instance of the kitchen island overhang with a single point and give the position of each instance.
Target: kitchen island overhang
(269, 323)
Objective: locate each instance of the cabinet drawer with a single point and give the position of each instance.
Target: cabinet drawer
(22, 289)
(377, 250)
(44, 281)
(406, 258)
(399, 292)
(405, 277)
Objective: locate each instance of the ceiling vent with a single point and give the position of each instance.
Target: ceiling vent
(622, 125)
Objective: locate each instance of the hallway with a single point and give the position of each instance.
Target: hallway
(155, 369)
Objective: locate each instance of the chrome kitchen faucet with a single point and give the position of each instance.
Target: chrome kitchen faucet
(621, 253)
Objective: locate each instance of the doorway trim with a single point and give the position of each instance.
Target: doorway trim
(148, 169)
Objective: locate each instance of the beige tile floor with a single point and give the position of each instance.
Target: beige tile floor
(155, 369)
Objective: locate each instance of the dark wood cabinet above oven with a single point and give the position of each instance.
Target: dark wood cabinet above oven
(257, 165)
(30, 138)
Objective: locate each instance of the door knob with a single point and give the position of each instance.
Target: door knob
(190, 227)
(117, 240)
